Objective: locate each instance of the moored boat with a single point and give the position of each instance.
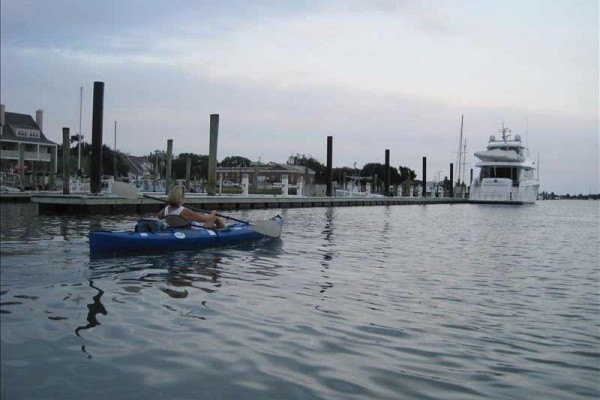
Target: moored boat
(507, 175)
(153, 236)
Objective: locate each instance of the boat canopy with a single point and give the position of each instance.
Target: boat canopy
(499, 155)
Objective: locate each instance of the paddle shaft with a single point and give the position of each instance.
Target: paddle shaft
(201, 210)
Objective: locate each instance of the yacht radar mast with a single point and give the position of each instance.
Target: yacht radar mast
(505, 133)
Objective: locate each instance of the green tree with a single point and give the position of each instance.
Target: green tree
(378, 169)
(406, 174)
(108, 160)
(235, 161)
(198, 170)
(315, 165)
(157, 157)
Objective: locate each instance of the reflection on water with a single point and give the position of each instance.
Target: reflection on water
(94, 308)
(375, 302)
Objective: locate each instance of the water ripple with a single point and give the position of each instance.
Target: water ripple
(435, 302)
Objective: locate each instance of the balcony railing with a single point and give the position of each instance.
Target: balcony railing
(29, 155)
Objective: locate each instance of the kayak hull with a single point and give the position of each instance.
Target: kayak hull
(173, 239)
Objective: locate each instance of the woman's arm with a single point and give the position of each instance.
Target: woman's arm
(197, 217)
(161, 214)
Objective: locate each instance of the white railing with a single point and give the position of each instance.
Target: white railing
(9, 154)
(28, 155)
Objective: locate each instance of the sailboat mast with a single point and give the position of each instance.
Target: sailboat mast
(464, 166)
(460, 142)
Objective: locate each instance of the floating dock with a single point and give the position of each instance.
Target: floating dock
(74, 204)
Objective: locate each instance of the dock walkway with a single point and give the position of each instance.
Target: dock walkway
(74, 204)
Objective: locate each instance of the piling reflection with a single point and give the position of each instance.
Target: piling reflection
(328, 246)
(94, 308)
(64, 228)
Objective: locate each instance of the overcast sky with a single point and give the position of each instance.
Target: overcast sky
(284, 75)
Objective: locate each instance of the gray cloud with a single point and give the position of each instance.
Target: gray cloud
(156, 93)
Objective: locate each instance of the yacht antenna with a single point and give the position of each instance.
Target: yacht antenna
(505, 133)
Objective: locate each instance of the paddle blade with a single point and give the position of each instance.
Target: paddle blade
(126, 190)
(268, 228)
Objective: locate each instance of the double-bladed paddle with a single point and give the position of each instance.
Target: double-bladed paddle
(265, 227)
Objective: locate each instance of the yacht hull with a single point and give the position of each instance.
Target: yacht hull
(502, 191)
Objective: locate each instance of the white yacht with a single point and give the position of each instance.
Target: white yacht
(507, 175)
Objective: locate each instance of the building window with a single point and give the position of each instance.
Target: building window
(28, 133)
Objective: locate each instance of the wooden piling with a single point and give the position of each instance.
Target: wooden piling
(53, 167)
(168, 178)
(97, 116)
(22, 166)
(330, 166)
(188, 172)
(387, 173)
(66, 147)
(424, 176)
(212, 153)
(451, 180)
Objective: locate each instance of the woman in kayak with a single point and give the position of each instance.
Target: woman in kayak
(175, 207)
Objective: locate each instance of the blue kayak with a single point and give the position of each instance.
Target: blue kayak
(153, 236)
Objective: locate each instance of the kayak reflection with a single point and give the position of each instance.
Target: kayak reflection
(175, 273)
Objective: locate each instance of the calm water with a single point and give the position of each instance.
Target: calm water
(401, 302)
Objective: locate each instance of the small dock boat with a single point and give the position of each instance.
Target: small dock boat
(507, 175)
(353, 188)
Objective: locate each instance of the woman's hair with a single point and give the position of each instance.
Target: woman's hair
(176, 196)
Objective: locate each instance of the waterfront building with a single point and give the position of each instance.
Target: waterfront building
(23, 145)
(268, 174)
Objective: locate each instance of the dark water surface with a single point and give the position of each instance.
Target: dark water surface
(400, 302)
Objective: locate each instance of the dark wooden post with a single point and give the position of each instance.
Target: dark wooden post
(53, 167)
(188, 172)
(66, 147)
(387, 172)
(115, 154)
(22, 165)
(97, 116)
(374, 183)
(306, 182)
(329, 166)
(424, 176)
(212, 153)
(169, 180)
(451, 180)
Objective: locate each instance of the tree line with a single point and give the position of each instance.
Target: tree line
(199, 165)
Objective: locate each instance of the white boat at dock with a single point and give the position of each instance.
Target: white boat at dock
(354, 189)
(507, 174)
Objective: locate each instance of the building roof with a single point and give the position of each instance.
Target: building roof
(296, 168)
(271, 167)
(14, 121)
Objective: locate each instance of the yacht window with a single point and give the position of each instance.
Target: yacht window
(500, 172)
